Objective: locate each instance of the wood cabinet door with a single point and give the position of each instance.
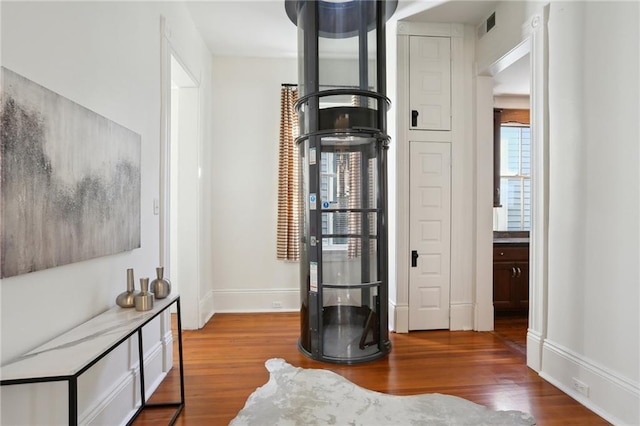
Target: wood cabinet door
(504, 290)
(522, 301)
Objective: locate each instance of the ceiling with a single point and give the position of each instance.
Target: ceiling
(514, 80)
(261, 28)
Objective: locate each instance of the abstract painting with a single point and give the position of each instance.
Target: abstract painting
(69, 180)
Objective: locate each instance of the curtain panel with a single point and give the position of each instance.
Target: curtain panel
(288, 236)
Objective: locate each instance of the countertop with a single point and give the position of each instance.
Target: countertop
(512, 240)
(510, 237)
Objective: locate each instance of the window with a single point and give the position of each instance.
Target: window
(515, 179)
(334, 187)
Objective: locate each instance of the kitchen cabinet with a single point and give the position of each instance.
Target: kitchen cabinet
(511, 278)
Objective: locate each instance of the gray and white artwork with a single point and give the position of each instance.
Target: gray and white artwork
(69, 180)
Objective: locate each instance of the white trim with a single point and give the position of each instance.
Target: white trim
(538, 237)
(165, 131)
(398, 318)
(462, 162)
(430, 29)
(189, 288)
(122, 389)
(483, 205)
(401, 316)
(256, 300)
(126, 390)
(167, 349)
(534, 350)
(608, 393)
(461, 316)
(462, 183)
(402, 319)
(206, 308)
(534, 34)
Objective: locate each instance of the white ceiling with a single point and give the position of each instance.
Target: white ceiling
(261, 28)
(514, 80)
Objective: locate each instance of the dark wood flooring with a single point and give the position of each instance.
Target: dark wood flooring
(512, 330)
(224, 364)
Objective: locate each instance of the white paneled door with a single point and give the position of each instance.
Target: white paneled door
(430, 83)
(430, 235)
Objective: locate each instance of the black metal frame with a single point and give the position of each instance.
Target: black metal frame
(363, 122)
(72, 380)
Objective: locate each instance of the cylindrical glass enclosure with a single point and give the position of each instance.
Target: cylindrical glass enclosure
(343, 145)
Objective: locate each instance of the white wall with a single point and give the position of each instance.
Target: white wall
(593, 299)
(590, 326)
(106, 57)
(246, 122)
(247, 276)
(508, 32)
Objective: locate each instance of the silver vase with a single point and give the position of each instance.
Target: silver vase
(144, 300)
(127, 299)
(160, 287)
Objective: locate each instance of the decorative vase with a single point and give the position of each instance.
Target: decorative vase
(144, 300)
(160, 287)
(127, 299)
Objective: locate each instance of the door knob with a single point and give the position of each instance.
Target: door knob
(414, 258)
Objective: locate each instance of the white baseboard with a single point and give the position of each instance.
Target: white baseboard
(256, 300)
(534, 350)
(167, 351)
(461, 316)
(610, 395)
(483, 317)
(118, 403)
(206, 308)
(398, 318)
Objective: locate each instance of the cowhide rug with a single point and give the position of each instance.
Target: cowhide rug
(298, 396)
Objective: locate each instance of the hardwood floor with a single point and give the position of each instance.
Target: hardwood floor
(512, 330)
(224, 364)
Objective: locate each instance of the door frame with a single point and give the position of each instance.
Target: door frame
(534, 41)
(461, 140)
(190, 288)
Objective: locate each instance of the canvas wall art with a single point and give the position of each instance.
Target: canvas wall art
(69, 180)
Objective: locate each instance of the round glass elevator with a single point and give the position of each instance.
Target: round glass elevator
(343, 178)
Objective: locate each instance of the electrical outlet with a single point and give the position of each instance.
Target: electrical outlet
(581, 387)
(276, 305)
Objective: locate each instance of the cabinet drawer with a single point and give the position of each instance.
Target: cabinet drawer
(508, 253)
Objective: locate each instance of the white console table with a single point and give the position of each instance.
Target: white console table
(69, 355)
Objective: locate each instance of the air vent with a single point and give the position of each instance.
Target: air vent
(491, 21)
(487, 25)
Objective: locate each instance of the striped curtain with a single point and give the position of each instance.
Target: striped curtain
(354, 222)
(355, 189)
(288, 246)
